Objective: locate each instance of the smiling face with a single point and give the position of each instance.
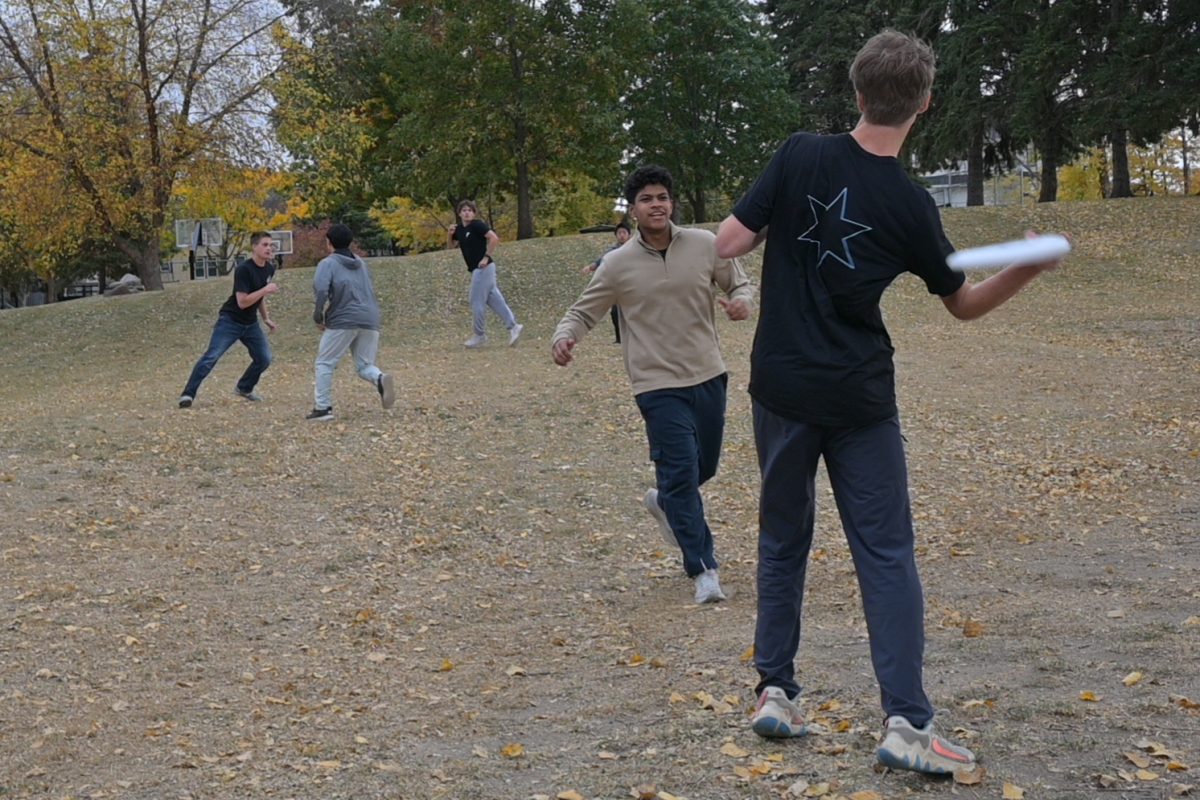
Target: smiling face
(652, 208)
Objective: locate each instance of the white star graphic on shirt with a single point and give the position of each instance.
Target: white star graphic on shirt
(832, 225)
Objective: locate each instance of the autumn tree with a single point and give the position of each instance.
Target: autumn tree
(121, 95)
(247, 199)
(706, 101)
(454, 99)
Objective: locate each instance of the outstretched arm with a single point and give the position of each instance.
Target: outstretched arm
(973, 300)
(735, 239)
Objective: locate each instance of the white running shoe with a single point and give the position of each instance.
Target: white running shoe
(776, 717)
(475, 341)
(708, 587)
(660, 516)
(920, 749)
(514, 333)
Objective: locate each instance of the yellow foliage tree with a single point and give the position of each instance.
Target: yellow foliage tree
(120, 97)
(418, 228)
(247, 199)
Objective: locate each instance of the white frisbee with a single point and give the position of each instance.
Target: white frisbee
(1014, 253)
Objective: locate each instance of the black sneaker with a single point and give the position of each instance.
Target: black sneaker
(185, 401)
(320, 414)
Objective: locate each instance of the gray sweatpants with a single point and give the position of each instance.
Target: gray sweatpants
(485, 294)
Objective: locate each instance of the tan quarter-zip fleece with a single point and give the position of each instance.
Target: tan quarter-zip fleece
(668, 325)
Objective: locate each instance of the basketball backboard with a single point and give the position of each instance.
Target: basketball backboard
(283, 242)
(191, 234)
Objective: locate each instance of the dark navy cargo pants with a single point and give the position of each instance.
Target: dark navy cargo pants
(685, 427)
(867, 471)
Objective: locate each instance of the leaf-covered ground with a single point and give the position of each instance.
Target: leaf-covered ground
(463, 598)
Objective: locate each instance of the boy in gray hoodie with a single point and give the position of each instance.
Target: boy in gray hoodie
(348, 315)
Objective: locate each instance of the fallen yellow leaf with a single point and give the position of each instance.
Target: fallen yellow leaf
(733, 751)
(1012, 792)
(570, 794)
(513, 750)
(1138, 760)
(1177, 766)
(446, 666)
(972, 628)
(1090, 697)
(1132, 679)
(866, 795)
(748, 656)
(817, 790)
(1146, 775)
(970, 777)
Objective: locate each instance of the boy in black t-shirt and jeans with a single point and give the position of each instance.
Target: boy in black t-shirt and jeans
(237, 321)
(841, 220)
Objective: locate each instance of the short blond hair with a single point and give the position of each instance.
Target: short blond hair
(893, 72)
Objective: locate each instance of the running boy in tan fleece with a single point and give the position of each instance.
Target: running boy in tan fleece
(663, 281)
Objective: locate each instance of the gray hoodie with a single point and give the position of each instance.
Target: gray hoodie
(343, 281)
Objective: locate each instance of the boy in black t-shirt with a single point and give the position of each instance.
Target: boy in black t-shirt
(841, 221)
(477, 241)
(237, 322)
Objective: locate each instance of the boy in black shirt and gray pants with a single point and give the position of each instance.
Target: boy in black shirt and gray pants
(841, 220)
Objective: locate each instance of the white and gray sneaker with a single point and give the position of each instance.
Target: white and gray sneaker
(777, 717)
(708, 587)
(920, 749)
(514, 333)
(660, 516)
(477, 340)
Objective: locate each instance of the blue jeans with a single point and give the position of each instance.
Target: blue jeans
(225, 332)
(685, 427)
(869, 478)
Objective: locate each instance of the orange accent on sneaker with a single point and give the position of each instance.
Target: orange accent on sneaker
(947, 752)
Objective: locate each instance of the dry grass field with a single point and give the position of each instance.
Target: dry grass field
(463, 598)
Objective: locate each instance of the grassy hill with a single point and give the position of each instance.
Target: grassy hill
(230, 602)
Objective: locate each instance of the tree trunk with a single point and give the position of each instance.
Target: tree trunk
(1049, 190)
(1120, 165)
(144, 257)
(524, 202)
(975, 167)
(699, 207)
(1183, 147)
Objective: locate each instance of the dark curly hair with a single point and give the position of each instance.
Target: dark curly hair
(644, 176)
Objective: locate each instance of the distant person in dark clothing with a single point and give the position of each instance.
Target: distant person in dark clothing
(622, 232)
(237, 322)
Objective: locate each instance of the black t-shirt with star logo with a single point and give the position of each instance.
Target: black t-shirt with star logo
(844, 223)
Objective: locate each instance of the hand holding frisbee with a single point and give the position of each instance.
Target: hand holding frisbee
(1019, 252)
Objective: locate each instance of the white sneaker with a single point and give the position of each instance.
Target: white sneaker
(660, 516)
(514, 333)
(475, 341)
(776, 717)
(708, 587)
(920, 749)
